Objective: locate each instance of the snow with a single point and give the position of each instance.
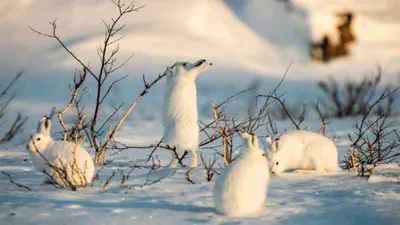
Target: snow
(293, 198)
(247, 41)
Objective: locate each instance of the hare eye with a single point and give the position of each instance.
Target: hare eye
(276, 163)
(38, 139)
(184, 64)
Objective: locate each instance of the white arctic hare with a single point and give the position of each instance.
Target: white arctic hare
(303, 150)
(240, 191)
(44, 150)
(180, 108)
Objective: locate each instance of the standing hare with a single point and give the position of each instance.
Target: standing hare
(181, 130)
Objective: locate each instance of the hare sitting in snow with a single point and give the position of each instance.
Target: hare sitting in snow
(240, 191)
(61, 155)
(303, 150)
(180, 108)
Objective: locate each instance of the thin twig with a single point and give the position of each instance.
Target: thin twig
(12, 181)
(222, 133)
(108, 180)
(188, 178)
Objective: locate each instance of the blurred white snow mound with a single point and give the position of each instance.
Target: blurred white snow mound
(258, 36)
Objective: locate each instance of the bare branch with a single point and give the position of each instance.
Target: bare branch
(15, 128)
(371, 145)
(73, 96)
(54, 35)
(187, 176)
(5, 101)
(222, 133)
(120, 122)
(12, 181)
(108, 180)
(284, 108)
(209, 167)
(12, 82)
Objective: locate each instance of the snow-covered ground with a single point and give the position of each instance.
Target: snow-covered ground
(293, 198)
(246, 40)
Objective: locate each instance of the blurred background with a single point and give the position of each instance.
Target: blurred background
(248, 42)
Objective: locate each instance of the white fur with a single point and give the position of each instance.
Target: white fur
(180, 108)
(303, 150)
(59, 154)
(240, 191)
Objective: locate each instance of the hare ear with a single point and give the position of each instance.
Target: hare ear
(268, 140)
(44, 126)
(254, 142)
(277, 144)
(245, 140)
(268, 143)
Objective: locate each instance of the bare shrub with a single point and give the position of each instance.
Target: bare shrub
(374, 141)
(281, 112)
(222, 127)
(352, 99)
(286, 112)
(79, 79)
(109, 64)
(226, 126)
(62, 172)
(221, 132)
(124, 175)
(5, 100)
(153, 166)
(209, 167)
(322, 118)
